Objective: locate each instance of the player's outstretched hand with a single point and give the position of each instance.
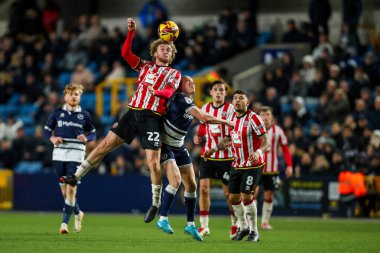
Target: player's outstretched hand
(70, 180)
(230, 124)
(151, 90)
(208, 153)
(131, 25)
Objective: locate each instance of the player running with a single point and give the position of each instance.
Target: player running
(248, 140)
(69, 128)
(144, 117)
(270, 178)
(175, 159)
(218, 166)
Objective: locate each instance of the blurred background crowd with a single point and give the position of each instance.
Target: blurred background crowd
(328, 103)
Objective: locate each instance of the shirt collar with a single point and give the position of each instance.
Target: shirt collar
(79, 109)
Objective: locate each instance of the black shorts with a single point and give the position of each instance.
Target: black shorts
(216, 170)
(144, 124)
(244, 180)
(65, 168)
(270, 182)
(180, 155)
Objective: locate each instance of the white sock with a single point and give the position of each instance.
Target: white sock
(163, 218)
(83, 169)
(69, 203)
(239, 213)
(251, 212)
(233, 219)
(266, 212)
(190, 223)
(156, 195)
(204, 221)
(170, 189)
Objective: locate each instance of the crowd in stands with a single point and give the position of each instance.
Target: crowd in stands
(328, 105)
(37, 61)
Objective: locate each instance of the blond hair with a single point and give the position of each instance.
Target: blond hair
(72, 87)
(156, 43)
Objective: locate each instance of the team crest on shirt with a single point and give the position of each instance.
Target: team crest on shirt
(80, 116)
(62, 115)
(224, 114)
(164, 156)
(245, 123)
(115, 125)
(188, 100)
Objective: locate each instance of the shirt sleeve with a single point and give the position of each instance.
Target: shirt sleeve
(282, 138)
(89, 128)
(174, 79)
(50, 126)
(257, 124)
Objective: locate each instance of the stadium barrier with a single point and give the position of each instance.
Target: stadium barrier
(6, 189)
(131, 193)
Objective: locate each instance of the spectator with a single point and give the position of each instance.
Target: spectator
(50, 15)
(149, 11)
(337, 107)
(299, 112)
(117, 71)
(8, 158)
(319, 14)
(83, 75)
(308, 70)
(297, 86)
(323, 44)
(293, 35)
(374, 115)
(242, 37)
(73, 57)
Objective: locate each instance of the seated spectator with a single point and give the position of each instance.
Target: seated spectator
(299, 112)
(374, 115)
(323, 44)
(338, 107)
(8, 158)
(83, 76)
(117, 71)
(293, 35)
(308, 70)
(297, 86)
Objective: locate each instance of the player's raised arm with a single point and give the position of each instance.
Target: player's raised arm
(222, 145)
(207, 118)
(126, 51)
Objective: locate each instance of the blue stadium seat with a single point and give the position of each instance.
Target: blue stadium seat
(27, 109)
(63, 79)
(28, 167)
(263, 38)
(107, 120)
(88, 101)
(26, 119)
(14, 99)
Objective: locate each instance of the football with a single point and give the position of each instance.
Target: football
(168, 31)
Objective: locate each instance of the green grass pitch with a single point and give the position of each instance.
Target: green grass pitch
(38, 232)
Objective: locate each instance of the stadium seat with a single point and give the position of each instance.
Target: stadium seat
(63, 79)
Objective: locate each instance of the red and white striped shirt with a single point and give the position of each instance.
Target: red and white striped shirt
(158, 77)
(214, 133)
(245, 139)
(276, 137)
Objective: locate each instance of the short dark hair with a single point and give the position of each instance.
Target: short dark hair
(240, 92)
(220, 81)
(266, 109)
